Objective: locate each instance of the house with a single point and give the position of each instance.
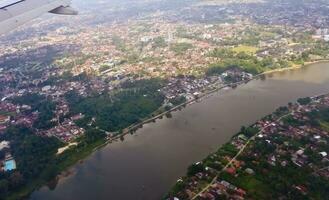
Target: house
(241, 192)
(242, 137)
(4, 144)
(231, 170)
(249, 171)
(302, 189)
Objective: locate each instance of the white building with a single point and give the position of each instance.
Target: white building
(4, 144)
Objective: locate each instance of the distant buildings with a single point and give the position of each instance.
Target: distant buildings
(321, 34)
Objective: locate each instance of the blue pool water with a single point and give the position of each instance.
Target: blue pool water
(10, 165)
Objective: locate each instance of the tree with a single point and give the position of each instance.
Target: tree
(168, 115)
(305, 56)
(16, 179)
(304, 101)
(46, 113)
(3, 187)
(32, 153)
(137, 100)
(159, 42)
(250, 131)
(194, 169)
(178, 100)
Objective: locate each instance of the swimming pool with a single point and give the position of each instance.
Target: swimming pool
(10, 165)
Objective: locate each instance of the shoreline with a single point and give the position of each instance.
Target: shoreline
(134, 127)
(294, 67)
(245, 145)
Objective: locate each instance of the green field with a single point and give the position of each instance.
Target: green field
(324, 125)
(246, 49)
(7, 113)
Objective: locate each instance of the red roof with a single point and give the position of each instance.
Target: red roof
(241, 191)
(231, 170)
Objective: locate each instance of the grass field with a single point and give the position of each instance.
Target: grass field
(181, 48)
(256, 189)
(247, 49)
(324, 125)
(7, 113)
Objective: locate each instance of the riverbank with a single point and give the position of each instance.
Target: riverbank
(135, 127)
(294, 67)
(188, 137)
(127, 132)
(206, 93)
(207, 174)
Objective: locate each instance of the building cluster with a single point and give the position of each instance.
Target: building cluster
(299, 14)
(12, 114)
(189, 87)
(321, 34)
(285, 140)
(223, 188)
(313, 136)
(67, 131)
(145, 47)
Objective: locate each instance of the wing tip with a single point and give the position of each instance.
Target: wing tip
(64, 10)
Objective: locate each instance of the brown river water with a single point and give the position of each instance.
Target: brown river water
(145, 165)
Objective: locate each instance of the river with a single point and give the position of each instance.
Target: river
(145, 165)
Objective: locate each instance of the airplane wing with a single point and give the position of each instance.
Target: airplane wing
(14, 13)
